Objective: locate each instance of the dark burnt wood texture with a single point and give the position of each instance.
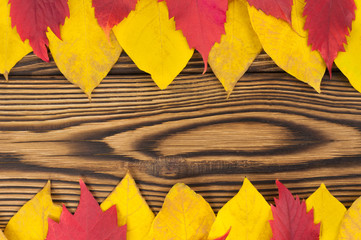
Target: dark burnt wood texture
(271, 127)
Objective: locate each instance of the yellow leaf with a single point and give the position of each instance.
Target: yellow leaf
(349, 62)
(131, 208)
(85, 55)
(327, 210)
(150, 39)
(351, 223)
(12, 49)
(185, 215)
(231, 58)
(2, 236)
(288, 47)
(31, 221)
(247, 214)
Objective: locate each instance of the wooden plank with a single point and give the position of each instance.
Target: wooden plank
(271, 127)
(34, 66)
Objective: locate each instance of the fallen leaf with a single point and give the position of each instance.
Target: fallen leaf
(247, 214)
(237, 49)
(328, 23)
(150, 39)
(287, 45)
(348, 61)
(84, 56)
(291, 220)
(12, 48)
(184, 215)
(2, 236)
(201, 21)
(351, 223)
(225, 236)
(132, 209)
(277, 8)
(31, 221)
(327, 210)
(111, 12)
(32, 19)
(89, 222)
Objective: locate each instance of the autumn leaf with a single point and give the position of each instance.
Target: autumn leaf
(33, 17)
(287, 45)
(247, 214)
(201, 21)
(150, 39)
(132, 209)
(277, 8)
(2, 236)
(351, 222)
(349, 61)
(291, 220)
(85, 56)
(184, 215)
(225, 236)
(31, 221)
(89, 222)
(231, 58)
(12, 48)
(111, 12)
(327, 210)
(328, 23)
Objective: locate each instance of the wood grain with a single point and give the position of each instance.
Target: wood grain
(271, 127)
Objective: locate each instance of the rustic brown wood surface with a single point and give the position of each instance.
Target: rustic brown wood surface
(271, 127)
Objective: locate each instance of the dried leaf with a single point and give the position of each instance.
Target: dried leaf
(32, 19)
(85, 56)
(348, 62)
(231, 58)
(287, 45)
(31, 221)
(247, 214)
(291, 220)
(132, 209)
(184, 215)
(150, 39)
(201, 21)
(89, 222)
(12, 48)
(328, 23)
(111, 12)
(278, 8)
(327, 210)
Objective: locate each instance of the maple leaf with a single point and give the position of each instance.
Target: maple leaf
(328, 23)
(201, 21)
(291, 220)
(33, 17)
(111, 12)
(224, 237)
(278, 8)
(89, 222)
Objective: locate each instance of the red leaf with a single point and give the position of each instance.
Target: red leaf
(224, 237)
(291, 220)
(88, 223)
(328, 23)
(201, 21)
(278, 8)
(111, 12)
(33, 17)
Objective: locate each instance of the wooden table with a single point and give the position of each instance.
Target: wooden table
(271, 127)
